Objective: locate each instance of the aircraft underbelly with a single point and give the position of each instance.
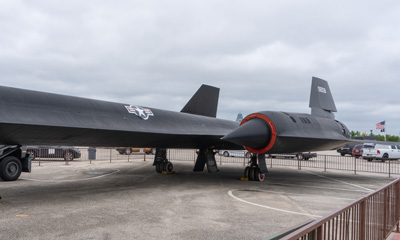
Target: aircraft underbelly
(66, 136)
(299, 144)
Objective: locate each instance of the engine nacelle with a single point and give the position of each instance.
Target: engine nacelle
(257, 133)
(280, 132)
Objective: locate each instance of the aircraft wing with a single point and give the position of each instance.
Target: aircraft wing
(38, 118)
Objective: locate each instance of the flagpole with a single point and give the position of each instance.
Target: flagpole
(385, 130)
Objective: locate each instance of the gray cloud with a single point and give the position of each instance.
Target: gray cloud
(262, 54)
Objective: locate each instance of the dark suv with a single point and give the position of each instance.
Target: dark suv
(346, 149)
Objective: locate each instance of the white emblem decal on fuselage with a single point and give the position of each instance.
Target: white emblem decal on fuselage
(143, 113)
(321, 89)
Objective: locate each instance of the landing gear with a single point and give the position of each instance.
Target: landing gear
(254, 171)
(161, 162)
(164, 167)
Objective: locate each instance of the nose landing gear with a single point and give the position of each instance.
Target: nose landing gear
(255, 172)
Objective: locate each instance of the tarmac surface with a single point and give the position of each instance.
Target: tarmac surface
(129, 200)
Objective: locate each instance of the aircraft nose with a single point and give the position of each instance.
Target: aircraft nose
(254, 134)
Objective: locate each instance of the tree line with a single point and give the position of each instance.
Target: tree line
(389, 138)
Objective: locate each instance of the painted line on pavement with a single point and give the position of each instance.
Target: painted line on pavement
(336, 180)
(230, 193)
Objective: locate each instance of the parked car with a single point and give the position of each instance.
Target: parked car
(131, 150)
(380, 152)
(346, 149)
(357, 150)
(234, 153)
(299, 156)
(68, 153)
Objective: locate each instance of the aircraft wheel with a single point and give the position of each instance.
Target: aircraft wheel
(246, 172)
(168, 167)
(248, 155)
(251, 173)
(369, 159)
(159, 167)
(258, 175)
(300, 157)
(10, 168)
(226, 154)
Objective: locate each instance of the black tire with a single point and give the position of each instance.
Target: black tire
(158, 167)
(369, 159)
(246, 172)
(258, 176)
(342, 154)
(385, 157)
(248, 155)
(68, 156)
(252, 173)
(226, 154)
(168, 167)
(10, 168)
(128, 151)
(306, 158)
(299, 156)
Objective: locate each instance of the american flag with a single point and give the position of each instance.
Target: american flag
(380, 125)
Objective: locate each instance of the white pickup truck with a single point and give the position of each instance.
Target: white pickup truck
(380, 152)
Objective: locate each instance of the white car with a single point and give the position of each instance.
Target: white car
(380, 152)
(234, 153)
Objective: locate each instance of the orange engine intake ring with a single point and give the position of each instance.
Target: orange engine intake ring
(273, 132)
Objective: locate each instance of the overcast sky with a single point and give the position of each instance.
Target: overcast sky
(262, 54)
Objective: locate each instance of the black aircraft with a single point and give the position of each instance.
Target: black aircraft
(37, 118)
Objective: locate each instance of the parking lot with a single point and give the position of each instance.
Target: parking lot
(129, 200)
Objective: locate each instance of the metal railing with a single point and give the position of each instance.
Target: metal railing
(68, 155)
(373, 217)
(324, 162)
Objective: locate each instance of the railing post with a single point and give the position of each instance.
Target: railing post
(66, 153)
(325, 163)
(361, 221)
(318, 235)
(144, 157)
(128, 157)
(385, 211)
(299, 163)
(389, 167)
(110, 155)
(397, 215)
(270, 157)
(355, 165)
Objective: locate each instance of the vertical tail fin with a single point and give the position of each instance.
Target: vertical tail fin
(321, 100)
(204, 102)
